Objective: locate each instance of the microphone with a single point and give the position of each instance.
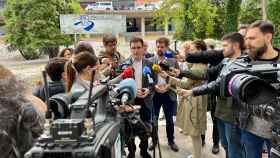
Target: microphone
(126, 91)
(168, 54)
(147, 72)
(156, 68)
(127, 73)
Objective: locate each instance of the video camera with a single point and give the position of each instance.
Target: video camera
(256, 88)
(90, 127)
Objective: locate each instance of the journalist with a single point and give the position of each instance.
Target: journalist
(229, 133)
(191, 115)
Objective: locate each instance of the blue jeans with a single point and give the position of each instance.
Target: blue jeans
(164, 101)
(254, 145)
(230, 136)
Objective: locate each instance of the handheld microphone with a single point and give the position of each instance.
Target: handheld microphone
(127, 90)
(168, 54)
(147, 72)
(156, 68)
(127, 73)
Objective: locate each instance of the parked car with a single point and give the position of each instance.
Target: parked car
(105, 5)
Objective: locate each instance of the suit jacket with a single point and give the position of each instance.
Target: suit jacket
(172, 63)
(145, 82)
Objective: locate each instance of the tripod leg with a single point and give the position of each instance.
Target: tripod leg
(157, 143)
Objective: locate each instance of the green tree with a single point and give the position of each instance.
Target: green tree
(34, 24)
(250, 11)
(219, 20)
(273, 15)
(232, 9)
(192, 18)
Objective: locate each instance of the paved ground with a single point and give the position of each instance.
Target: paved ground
(184, 143)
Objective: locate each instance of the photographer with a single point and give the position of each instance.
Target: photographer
(109, 58)
(20, 122)
(229, 133)
(144, 93)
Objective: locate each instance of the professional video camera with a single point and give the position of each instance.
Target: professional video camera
(91, 126)
(256, 88)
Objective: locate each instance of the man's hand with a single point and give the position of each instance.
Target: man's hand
(184, 92)
(139, 93)
(162, 88)
(143, 93)
(106, 61)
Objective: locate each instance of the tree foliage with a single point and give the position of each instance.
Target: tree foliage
(273, 15)
(192, 18)
(232, 9)
(34, 24)
(250, 11)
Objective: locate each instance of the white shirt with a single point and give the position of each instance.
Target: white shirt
(137, 66)
(161, 81)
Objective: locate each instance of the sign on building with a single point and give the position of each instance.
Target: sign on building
(92, 24)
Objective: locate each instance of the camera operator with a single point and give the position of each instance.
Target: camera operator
(20, 122)
(55, 70)
(78, 73)
(259, 43)
(230, 134)
(144, 93)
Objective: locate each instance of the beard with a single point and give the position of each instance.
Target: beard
(160, 53)
(230, 53)
(256, 53)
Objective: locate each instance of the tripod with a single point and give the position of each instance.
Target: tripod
(155, 137)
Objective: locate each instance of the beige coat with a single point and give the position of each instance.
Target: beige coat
(191, 111)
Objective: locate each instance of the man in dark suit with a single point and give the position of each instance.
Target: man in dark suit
(164, 95)
(144, 92)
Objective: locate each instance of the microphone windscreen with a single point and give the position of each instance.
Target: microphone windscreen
(127, 73)
(168, 54)
(147, 70)
(156, 68)
(130, 84)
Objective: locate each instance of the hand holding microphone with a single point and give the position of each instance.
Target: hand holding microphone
(127, 73)
(147, 72)
(156, 68)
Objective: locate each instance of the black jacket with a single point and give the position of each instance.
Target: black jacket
(213, 86)
(54, 88)
(212, 57)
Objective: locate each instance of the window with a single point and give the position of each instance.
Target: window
(2, 4)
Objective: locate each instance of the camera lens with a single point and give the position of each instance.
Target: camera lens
(251, 89)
